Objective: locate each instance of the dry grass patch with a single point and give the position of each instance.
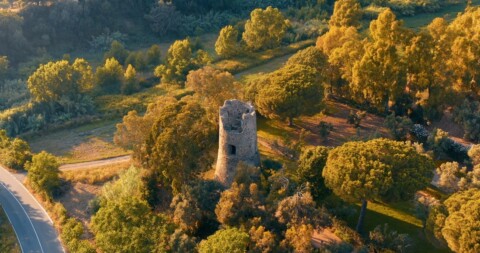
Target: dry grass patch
(80, 144)
(96, 175)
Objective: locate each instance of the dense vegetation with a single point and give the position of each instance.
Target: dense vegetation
(364, 56)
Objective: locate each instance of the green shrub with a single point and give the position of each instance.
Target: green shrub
(398, 126)
(468, 115)
(14, 153)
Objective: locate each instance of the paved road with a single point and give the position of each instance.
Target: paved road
(31, 223)
(87, 165)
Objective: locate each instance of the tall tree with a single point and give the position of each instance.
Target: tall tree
(345, 13)
(379, 169)
(343, 47)
(180, 60)
(457, 221)
(217, 243)
(179, 145)
(227, 43)
(43, 173)
(310, 166)
(212, 87)
(265, 28)
(380, 74)
(109, 77)
(56, 80)
(289, 92)
(466, 51)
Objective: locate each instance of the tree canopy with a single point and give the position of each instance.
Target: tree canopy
(457, 221)
(179, 145)
(289, 92)
(379, 169)
(265, 28)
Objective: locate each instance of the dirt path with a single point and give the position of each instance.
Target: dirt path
(98, 163)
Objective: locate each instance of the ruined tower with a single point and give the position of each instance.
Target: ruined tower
(237, 140)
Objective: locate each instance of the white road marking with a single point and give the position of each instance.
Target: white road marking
(36, 235)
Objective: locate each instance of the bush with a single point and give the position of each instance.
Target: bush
(14, 153)
(468, 115)
(13, 92)
(355, 118)
(443, 146)
(398, 126)
(43, 174)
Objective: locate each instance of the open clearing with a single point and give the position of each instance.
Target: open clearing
(85, 143)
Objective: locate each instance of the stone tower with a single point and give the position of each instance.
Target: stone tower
(237, 140)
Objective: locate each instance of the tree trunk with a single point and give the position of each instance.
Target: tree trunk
(290, 121)
(363, 211)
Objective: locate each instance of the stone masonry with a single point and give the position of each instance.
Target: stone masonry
(237, 140)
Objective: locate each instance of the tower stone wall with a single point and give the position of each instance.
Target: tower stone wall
(237, 140)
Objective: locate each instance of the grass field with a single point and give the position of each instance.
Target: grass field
(449, 13)
(95, 175)
(80, 144)
(8, 239)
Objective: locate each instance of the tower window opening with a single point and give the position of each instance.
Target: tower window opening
(232, 150)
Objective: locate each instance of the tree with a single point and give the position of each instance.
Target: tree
(180, 60)
(109, 77)
(216, 243)
(379, 169)
(14, 45)
(130, 83)
(239, 204)
(134, 129)
(43, 173)
(186, 214)
(380, 74)
(312, 57)
(265, 28)
(299, 238)
(457, 221)
(125, 225)
(449, 176)
(16, 154)
(154, 55)
(384, 239)
(125, 221)
(117, 51)
(310, 166)
(290, 92)
(465, 51)
(344, 48)
(86, 81)
(474, 154)
(262, 240)
(128, 185)
(56, 80)
(346, 13)
(398, 126)
(213, 87)
(227, 42)
(179, 145)
(300, 209)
